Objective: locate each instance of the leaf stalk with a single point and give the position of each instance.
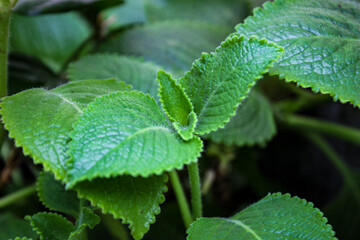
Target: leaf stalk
(194, 177)
(16, 196)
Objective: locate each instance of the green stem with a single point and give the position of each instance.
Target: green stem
(181, 199)
(115, 227)
(195, 190)
(337, 162)
(16, 196)
(349, 134)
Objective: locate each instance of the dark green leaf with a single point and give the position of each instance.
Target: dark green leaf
(277, 217)
(321, 42)
(218, 82)
(86, 219)
(126, 133)
(12, 227)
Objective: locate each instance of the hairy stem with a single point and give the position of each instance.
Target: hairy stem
(195, 190)
(337, 162)
(114, 226)
(349, 134)
(16, 196)
(181, 199)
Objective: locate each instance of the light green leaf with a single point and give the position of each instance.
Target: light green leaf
(134, 200)
(86, 219)
(12, 227)
(219, 12)
(253, 123)
(172, 44)
(277, 217)
(52, 38)
(50, 226)
(126, 133)
(219, 81)
(40, 120)
(24, 238)
(321, 42)
(139, 74)
(53, 195)
(177, 105)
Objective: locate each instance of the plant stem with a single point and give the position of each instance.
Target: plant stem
(195, 190)
(337, 162)
(349, 134)
(181, 199)
(115, 227)
(16, 196)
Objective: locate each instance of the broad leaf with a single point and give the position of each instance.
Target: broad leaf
(54, 37)
(139, 74)
(40, 120)
(219, 81)
(253, 123)
(321, 42)
(134, 200)
(277, 217)
(51, 226)
(172, 44)
(86, 219)
(12, 227)
(219, 12)
(53, 195)
(126, 133)
(177, 105)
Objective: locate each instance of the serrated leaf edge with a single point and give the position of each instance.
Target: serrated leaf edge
(230, 39)
(124, 220)
(70, 161)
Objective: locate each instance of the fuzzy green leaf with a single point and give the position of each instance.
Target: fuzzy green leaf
(139, 74)
(40, 120)
(177, 105)
(172, 44)
(321, 42)
(277, 217)
(253, 123)
(12, 227)
(50, 226)
(126, 133)
(86, 219)
(219, 81)
(134, 200)
(52, 38)
(53, 195)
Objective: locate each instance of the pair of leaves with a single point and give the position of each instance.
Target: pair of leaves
(321, 42)
(274, 217)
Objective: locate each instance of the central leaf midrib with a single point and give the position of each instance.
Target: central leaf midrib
(73, 104)
(244, 226)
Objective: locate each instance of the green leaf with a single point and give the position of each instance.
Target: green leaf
(50, 226)
(12, 227)
(134, 200)
(253, 123)
(321, 42)
(218, 12)
(141, 75)
(172, 44)
(126, 133)
(177, 105)
(53, 195)
(52, 38)
(86, 219)
(40, 120)
(131, 12)
(219, 81)
(24, 238)
(277, 217)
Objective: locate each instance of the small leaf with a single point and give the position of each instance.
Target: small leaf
(54, 37)
(274, 217)
(172, 44)
(126, 133)
(50, 226)
(40, 120)
(53, 195)
(134, 200)
(321, 42)
(219, 81)
(12, 227)
(177, 105)
(253, 123)
(139, 74)
(86, 219)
